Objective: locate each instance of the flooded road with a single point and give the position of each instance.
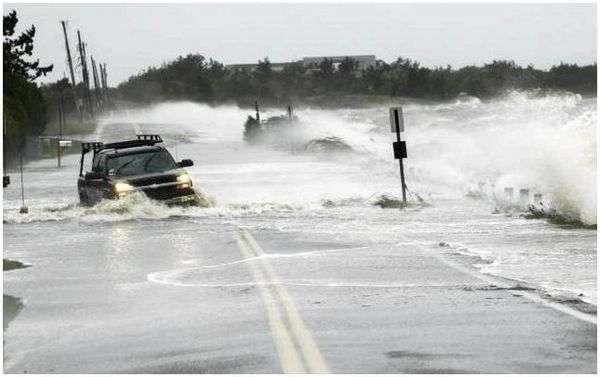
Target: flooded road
(295, 268)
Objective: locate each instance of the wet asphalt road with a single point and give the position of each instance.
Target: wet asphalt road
(334, 290)
(214, 301)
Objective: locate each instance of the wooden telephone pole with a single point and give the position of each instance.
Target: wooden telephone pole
(71, 71)
(104, 85)
(69, 60)
(85, 75)
(97, 88)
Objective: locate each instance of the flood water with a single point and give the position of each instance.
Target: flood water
(544, 143)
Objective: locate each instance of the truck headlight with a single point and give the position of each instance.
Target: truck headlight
(184, 181)
(123, 188)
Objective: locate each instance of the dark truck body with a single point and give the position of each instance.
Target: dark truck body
(105, 183)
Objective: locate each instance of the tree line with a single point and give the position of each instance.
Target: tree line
(31, 109)
(23, 103)
(195, 78)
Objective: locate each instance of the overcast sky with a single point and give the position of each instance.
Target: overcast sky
(130, 37)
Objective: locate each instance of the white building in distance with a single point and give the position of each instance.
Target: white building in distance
(364, 61)
(312, 62)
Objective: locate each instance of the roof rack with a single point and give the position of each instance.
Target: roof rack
(140, 141)
(95, 146)
(150, 137)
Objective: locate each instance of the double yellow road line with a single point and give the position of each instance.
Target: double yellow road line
(298, 352)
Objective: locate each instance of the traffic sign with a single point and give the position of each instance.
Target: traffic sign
(400, 150)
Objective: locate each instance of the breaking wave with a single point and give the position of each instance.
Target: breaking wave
(542, 142)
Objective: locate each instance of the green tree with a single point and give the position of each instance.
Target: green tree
(239, 85)
(347, 67)
(24, 105)
(194, 78)
(17, 48)
(292, 78)
(263, 75)
(326, 69)
(375, 79)
(263, 72)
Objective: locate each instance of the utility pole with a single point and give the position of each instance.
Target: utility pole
(85, 75)
(97, 88)
(104, 83)
(69, 60)
(71, 71)
(87, 81)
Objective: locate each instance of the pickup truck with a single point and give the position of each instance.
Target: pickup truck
(121, 168)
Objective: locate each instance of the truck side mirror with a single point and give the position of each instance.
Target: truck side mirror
(91, 175)
(185, 163)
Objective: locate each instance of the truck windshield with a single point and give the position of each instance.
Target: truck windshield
(140, 163)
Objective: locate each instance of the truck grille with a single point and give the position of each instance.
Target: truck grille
(153, 180)
(167, 192)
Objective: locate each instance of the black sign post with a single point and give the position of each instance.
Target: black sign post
(397, 123)
(23, 208)
(5, 178)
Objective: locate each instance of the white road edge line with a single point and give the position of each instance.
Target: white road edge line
(531, 296)
(310, 350)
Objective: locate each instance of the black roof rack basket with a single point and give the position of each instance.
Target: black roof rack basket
(95, 146)
(141, 140)
(150, 137)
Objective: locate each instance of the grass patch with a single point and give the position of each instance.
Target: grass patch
(11, 307)
(8, 265)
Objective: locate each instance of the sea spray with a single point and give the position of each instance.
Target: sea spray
(524, 139)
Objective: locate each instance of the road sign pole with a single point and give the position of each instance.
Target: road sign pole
(397, 122)
(23, 208)
(397, 126)
(60, 123)
(5, 177)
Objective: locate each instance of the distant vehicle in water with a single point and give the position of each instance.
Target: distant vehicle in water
(121, 168)
(287, 131)
(257, 130)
